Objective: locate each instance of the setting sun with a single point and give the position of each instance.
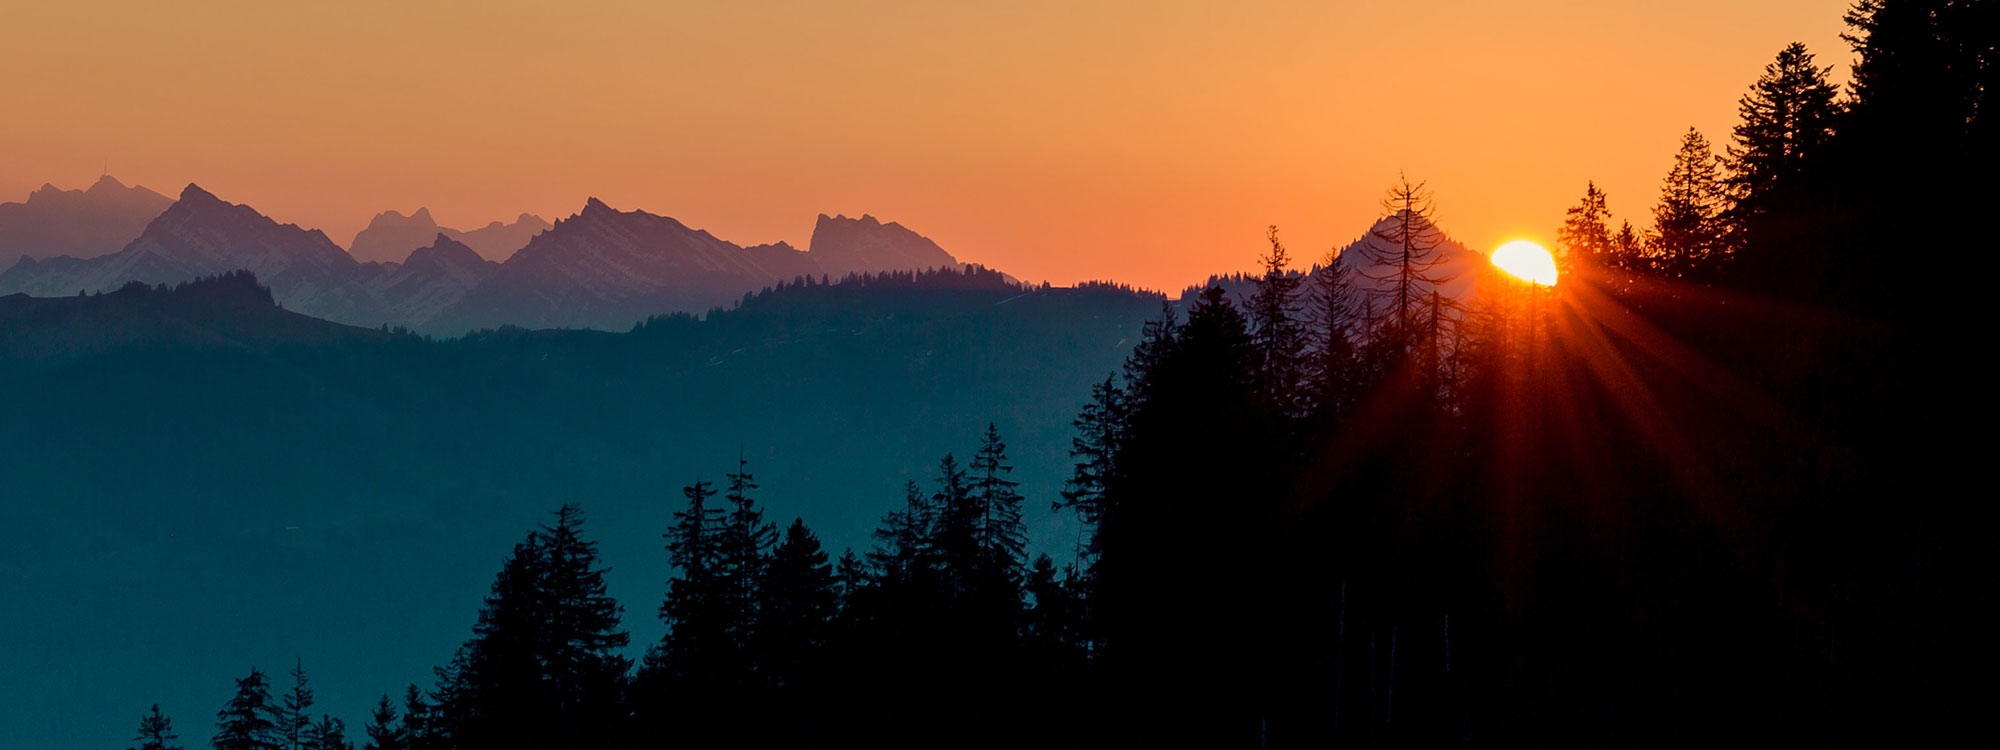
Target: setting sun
(1527, 260)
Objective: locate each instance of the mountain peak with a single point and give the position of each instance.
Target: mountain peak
(595, 206)
(841, 246)
(195, 193)
(106, 182)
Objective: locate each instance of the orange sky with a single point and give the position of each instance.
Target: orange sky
(1067, 140)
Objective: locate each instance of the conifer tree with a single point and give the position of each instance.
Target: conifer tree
(417, 730)
(1331, 367)
(1091, 451)
(1001, 536)
(582, 660)
(798, 604)
(156, 732)
(850, 573)
(1585, 235)
(384, 732)
(692, 609)
(743, 550)
(295, 709)
(328, 733)
(1277, 333)
(1691, 236)
(1787, 120)
(249, 721)
(955, 528)
(1405, 249)
(904, 552)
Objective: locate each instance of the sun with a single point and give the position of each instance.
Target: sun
(1528, 261)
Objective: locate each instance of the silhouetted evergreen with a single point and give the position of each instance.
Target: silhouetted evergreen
(250, 720)
(384, 730)
(295, 710)
(156, 732)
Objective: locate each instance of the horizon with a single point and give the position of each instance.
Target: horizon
(1109, 153)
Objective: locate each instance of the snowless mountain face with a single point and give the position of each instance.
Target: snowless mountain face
(602, 268)
(77, 223)
(391, 236)
(429, 282)
(609, 269)
(841, 246)
(201, 235)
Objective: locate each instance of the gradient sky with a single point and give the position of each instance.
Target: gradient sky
(1145, 141)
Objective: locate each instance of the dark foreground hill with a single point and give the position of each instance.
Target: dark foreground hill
(193, 477)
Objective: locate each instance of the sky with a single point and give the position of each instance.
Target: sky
(1148, 142)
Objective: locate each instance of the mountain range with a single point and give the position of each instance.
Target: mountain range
(601, 268)
(77, 223)
(391, 236)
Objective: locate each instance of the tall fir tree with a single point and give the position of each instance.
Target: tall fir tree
(1091, 451)
(799, 600)
(1002, 538)
(295, 709)
(156, 732)
(696, 631)
(1585, 236)
(249, 721)
(1787, 120)
(329, 733)
(1277, 331)
(743, 551)
(1404, 248)
(583, 662)
(1691, 237)
(384, 731)
(1336, 381)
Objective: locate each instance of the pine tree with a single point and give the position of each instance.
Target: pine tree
(798, 604)
(497, 696)
(1001, 536)
(1332, 366)
(1091, 452)
(692, 606)
(955, 528)
(1690, 237)
(903, 552)
(1277, 333)
(1405, 246)
(417, 730)
(1787, 120)
(850, 573)
(328, 733)
(1585, 235)
(248, 721)
(743, 550)
(295, 709)
(582, 659)
(156, 732)
(384, 732)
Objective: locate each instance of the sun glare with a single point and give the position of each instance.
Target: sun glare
(1528, 261)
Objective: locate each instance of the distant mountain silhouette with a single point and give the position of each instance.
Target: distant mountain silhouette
(201, 235)
(602, 268)
(497, 241)
(841, 246)
(607, 269)
(432, 280)
(77, 223)
(390, 236)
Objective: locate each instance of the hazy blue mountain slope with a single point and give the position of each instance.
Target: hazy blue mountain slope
(177, 510)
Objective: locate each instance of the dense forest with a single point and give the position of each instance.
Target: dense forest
(1711, 486)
